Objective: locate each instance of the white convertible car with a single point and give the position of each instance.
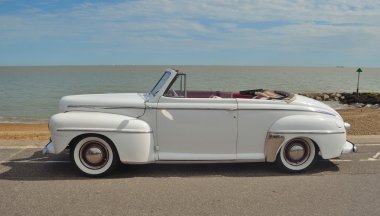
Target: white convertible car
(171, 124)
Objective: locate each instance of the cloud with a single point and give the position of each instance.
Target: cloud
(204, 25)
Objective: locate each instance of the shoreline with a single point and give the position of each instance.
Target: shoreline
(364, 121)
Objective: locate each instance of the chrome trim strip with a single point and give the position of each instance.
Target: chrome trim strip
(99, 107)
(307, 132)
(123, 108)
(297, 110)
(197, 108)
(103, 130)
(208, 161)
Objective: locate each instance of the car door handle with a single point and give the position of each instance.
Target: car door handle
(232, 109)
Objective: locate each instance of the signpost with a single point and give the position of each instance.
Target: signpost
(359, 70)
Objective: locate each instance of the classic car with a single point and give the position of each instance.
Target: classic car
(171, 124)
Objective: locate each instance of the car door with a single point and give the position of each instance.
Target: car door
(196, 128)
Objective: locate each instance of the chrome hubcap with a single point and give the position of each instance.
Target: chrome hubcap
(93, 155)
(297, 152)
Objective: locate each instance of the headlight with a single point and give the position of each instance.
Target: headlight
(339, 123)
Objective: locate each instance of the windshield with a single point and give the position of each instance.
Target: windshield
(160, 83)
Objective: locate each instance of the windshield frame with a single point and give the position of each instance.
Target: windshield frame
(161, 82)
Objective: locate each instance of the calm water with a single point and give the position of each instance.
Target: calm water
(32, 93)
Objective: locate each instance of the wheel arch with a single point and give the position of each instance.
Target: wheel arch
(275, 142)
(297, 154)
(109, 156)
(76, 139)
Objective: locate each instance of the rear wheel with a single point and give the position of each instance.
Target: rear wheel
(297, 155)
(94, 155)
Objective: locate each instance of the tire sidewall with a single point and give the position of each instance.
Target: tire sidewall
(112, 156)
(296, 168)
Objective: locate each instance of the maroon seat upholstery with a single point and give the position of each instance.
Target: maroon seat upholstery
(238, 95)
(209, 94)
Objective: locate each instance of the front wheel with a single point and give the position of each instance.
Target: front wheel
(94, 155)
(297, 155)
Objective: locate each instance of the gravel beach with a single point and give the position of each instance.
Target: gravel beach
(364, 121)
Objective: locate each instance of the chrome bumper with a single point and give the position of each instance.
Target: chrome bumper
(49, 148)
(349, 147)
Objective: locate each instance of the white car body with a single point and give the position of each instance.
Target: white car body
(158, 127)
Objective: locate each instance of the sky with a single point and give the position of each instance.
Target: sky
(197, 32)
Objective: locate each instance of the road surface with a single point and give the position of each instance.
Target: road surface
(34, 184)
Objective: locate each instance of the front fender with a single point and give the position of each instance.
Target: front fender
(326, 131)
(133, 138)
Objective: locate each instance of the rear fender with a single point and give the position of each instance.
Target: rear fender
(326, 131)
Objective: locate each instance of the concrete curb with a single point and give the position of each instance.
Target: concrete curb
(23, 143)
(365, 139)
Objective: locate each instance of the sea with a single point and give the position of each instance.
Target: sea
(30, 94)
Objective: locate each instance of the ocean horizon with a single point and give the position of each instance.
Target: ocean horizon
(31, 93)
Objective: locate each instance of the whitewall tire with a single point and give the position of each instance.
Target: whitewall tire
(94, 155)
(297, 155)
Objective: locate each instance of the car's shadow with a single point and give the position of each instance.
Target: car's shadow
(58, 167)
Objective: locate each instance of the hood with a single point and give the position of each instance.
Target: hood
(309, 102)
(131, 104)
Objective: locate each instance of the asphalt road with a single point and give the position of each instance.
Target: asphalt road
(33, 184)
